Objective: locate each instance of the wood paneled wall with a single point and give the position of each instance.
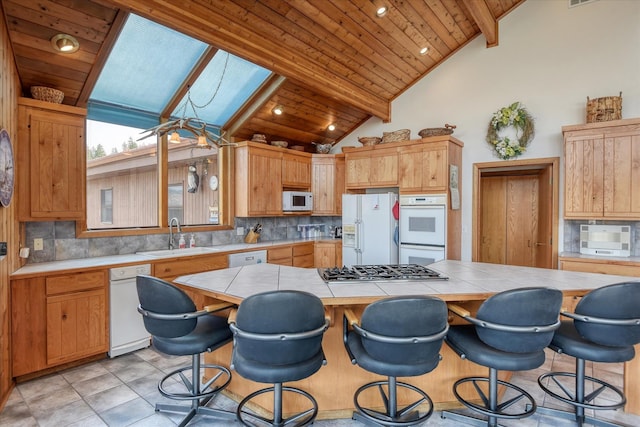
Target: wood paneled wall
(9, 228)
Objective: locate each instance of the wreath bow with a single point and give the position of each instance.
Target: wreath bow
(517, 117)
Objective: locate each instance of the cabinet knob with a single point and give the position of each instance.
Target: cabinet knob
(64, 316)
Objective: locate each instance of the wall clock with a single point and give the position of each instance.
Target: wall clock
(6, 168)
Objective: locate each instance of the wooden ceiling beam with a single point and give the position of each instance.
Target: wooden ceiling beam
(199, 67)
(254, 104)
(101, 58)
(488, 24)
(208, 24)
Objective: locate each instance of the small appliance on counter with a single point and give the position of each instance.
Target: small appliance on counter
(605, 240)
(337, 232)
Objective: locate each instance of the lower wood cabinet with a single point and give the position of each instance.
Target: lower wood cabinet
(622, 268)
(58, 319)
(328, 254)
(298, 255)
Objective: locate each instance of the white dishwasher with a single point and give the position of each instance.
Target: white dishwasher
(247, 258)
(126, 328)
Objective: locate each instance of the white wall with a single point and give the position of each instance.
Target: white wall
(550, 57)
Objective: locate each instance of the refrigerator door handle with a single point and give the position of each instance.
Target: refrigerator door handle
(358, 236)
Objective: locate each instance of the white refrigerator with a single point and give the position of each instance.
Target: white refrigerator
(369, 229)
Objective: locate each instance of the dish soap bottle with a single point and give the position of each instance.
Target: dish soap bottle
(182, 243)
(192, 241)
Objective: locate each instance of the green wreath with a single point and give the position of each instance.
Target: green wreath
(516, 116)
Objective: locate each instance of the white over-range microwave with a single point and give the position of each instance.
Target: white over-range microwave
(294, 201)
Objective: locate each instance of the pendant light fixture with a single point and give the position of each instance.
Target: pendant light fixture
(194, 125)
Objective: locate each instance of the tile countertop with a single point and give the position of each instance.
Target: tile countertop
(141, 258)
(467, 280)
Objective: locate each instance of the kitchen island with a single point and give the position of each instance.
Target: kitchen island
(469, 284)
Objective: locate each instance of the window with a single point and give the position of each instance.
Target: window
(118, 160)
(106, 206)
(175, 202)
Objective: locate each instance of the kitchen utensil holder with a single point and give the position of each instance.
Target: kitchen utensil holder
(251, 237)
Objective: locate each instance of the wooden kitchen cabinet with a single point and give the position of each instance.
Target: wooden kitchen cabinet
(297, 255)
(602, 266)
(303, 255)
(424, 168)
(258, 178)
(296, 170)
(170, 269)
(51, 151)
(328, 254)
(58, 319)
(327, 183)
(371, 167)
(602, 170)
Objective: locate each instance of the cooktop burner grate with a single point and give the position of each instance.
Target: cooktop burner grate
(380, 272)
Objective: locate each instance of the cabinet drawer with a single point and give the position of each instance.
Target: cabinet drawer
(279, 254)
(75, 282)
(304, 249)
(175, 268)
(596, 267)
(303, 261)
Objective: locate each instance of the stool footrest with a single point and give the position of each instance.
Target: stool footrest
(491, 408)
(205, 391)
(585, 401)
(392, 415)
(298, 419)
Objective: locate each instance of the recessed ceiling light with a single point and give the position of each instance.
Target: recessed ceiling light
(331, 127)
(278, 110)
(381, 11)
(424, 51)
(65, 43)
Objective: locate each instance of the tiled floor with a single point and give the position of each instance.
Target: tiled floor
(122, 392)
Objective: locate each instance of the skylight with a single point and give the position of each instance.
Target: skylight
(150, 62)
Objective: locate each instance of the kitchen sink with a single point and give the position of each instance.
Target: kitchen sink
(179, 252)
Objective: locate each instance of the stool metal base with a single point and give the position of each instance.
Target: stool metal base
(300, 419)
(490, 406)
(199, 394)
(392, 416)
(577, 397)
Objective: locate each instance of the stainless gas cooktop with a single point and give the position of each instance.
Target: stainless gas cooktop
(387, 272)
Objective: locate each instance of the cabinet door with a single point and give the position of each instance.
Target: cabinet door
(583, 195)
(296, 171)
(410, 161)
(323, 185)
(622, 175)
(384, 169)
(28, 326)
(357, 169)
(56, 165)
(435, 175)
(339, 184)
(76, 325)
(265, 183)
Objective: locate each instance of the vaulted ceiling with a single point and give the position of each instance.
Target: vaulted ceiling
(333, 61)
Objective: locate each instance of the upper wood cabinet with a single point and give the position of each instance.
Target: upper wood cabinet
(327, 183)
(51, 153)
(371, 167)
(424, 168)
(602, 170)
(258, 177)
(262, 172)
(296, 170)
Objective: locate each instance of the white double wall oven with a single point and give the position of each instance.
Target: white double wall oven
(423, 228)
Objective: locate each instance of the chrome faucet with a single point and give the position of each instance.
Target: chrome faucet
(171, 241)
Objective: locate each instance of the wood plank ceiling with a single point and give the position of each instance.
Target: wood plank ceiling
(333, 61)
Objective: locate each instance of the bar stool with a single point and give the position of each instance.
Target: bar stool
(277, 338)
(177, 329)
(510, 332)
(397, 337)
(604, 328)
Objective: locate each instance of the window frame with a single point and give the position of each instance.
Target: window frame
(225, 200)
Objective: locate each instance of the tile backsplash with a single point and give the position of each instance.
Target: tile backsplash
(572, 235)
(60, 242)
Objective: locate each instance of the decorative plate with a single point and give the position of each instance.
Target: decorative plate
(6, 168)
